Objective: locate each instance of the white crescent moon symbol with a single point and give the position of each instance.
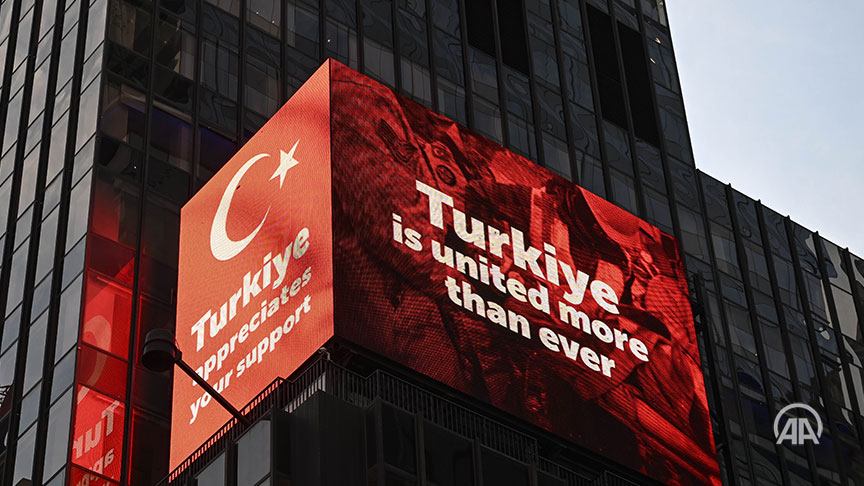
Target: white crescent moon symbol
(223, 247)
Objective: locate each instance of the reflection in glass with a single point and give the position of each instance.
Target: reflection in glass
(123, 113)
(57, 445)
(130, 26)
(24, 457)
(253, 454)
(107, 311)
(214, 473)
(378, 62)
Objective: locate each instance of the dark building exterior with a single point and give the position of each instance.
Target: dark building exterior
(115, 112)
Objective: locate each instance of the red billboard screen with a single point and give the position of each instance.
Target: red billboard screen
(442, 251)
(472, 265)
(255, 279)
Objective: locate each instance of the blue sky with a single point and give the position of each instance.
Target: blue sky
(774, 94)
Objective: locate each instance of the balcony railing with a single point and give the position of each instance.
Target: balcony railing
(362, 391)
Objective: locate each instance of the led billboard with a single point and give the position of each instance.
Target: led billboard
(448, 254)
(255, 279)
(470, 264)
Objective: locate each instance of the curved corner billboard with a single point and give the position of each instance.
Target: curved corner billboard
(255, 276)
(472, 265)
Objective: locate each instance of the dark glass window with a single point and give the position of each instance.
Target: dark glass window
(487, 118)
(149, 388)
(24, 457)
(543, 53)
(849, 323)
(662, 58)
(214, 473)
(577, 78)
(775, 353)
(451, 101)
(57, 445)
(484, 75)
(650, 166)
(342, 43)
(618, 148)
(160, 233)
(265, 14)
(262, 73)
(591, 174)
(220, 67)
(522, 137)
(606, 65)
(35, 352)
(149, 459)
(173, 89)
(215, 150)
(7, 375)
(64, 373)
(134, 69)
(716, 205)
(639, 86)
(624, 191)
(253, 454)
(518, 92)
(479, 18)
(123, 113)
(657, 210)
(101, 372)
(230, 6)
(172, 139)
(835, 270)
(448, 56)
(551, 110)
(344, 11)
(674, 126)
(378, 62)
(413, 42)
(169, 181)
(693, 237)
(556, 156)
(511, 30)
(378, 21)
(399, 438)
(445, 15)
(185, 9)
(13, 116)
(724, 250)
(67, 328)
(775, 229)
(416, 81)
(130, 26)
(449, 457)
(499, 470)
(116, 206)
(217, 111)
(302, 28)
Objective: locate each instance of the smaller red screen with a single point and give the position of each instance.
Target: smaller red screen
(255, 267)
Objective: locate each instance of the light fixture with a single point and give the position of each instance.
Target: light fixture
(161, 352)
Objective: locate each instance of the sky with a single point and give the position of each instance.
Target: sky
(774, 96)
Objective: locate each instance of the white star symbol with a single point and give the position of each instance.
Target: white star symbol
(286, 161)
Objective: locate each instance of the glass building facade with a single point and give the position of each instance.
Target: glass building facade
(114, 112)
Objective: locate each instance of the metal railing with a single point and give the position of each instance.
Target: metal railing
(362, 391)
